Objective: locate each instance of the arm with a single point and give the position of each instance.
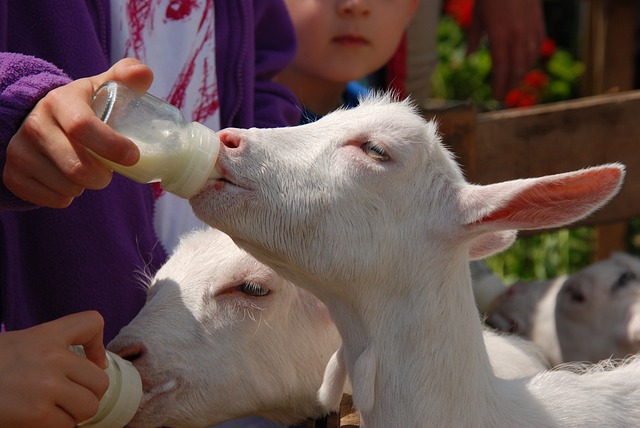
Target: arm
(44, 161)
(24, 80)
(42, 382)
(515, 29)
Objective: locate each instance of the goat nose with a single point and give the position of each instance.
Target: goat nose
(230, 139)
(131, 352)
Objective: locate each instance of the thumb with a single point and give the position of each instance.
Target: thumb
(129, 71)
(85, 329)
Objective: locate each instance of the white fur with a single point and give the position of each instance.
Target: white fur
(384, 239)
(590, 315)
(207, 352)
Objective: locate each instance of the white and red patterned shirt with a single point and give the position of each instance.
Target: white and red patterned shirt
(176, 38)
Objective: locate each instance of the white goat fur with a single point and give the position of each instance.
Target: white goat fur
(208, 348)
(367, 210)
(591, 315)
(210, 351)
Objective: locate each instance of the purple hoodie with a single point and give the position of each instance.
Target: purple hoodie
(97, 253)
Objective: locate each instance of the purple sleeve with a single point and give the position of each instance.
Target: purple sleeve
(24, 80)
(275, 45)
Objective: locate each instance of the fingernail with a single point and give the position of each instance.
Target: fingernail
(132, 157)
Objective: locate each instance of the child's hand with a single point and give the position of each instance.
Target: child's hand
(515, 30)
(47, 163)
(44, 383)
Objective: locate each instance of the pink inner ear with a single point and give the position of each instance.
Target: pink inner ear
(557, 200)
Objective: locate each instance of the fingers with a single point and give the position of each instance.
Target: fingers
(84, 130)
(72, 387)
(81, 396)
(515, 30)
(44, 383)
(513, 53)
(83, 328)
(45, 168)
(47, 159)
(77, 403)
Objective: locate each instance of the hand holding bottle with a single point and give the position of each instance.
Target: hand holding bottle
(179, 154)
(46, 162)
(44, 383)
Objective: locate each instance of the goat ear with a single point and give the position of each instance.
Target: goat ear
(491, 243)
(333, 383)
(540, 203)
(631, 337)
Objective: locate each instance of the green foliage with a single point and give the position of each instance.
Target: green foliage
(564, 73)
(458, 76)
(545, 256)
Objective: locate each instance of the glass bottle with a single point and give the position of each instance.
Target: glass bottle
(178, 154)
(121, 401)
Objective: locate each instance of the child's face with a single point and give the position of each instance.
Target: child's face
(344, 40)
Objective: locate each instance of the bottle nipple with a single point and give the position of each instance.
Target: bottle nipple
(121, 401)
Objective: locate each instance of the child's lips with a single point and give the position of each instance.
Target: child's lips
(350, 39)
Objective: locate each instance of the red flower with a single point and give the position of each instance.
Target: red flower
(536, 79)
(461, 11)
(519, 97)
(547, 49)
(512, 99)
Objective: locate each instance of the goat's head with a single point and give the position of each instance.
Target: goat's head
(223, 336)
(362, 193)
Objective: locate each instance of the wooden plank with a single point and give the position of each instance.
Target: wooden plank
(561, 137)
(609, 46)
(457, 124)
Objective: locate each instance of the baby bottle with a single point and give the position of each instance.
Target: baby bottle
(121, 401)
(178, 154)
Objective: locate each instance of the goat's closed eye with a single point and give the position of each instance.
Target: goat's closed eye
(253, 289)
(374, 151)
(623, 280)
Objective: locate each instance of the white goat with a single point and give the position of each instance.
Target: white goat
(590, 315)
(222, 336)
(366, 209)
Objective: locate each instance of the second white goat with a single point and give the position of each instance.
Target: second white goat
(591, 315)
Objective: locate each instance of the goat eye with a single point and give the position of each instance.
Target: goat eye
(253, 289)
(623, 280)
(577, 296)
(374, 151)
(574, 292)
